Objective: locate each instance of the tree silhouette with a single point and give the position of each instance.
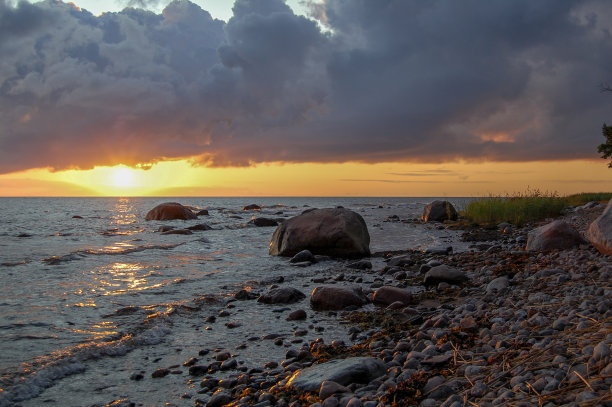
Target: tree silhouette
(606, 148)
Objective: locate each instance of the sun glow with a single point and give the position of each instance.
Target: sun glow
(122, 177)
(182, 178)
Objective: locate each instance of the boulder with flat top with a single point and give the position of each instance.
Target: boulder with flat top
(170, 211)
(336, 232)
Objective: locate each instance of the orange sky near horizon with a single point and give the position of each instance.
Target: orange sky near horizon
(180, 178)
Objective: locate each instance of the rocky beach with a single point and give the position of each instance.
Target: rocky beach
(496, 325)
(474, 319)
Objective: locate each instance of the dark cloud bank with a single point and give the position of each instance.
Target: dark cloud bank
(372, 80)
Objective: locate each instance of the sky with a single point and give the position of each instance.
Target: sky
(334, 97)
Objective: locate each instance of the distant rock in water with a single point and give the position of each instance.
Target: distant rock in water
(600, 231)
(170, 211)
(264, 222)
(200, 226)
(439, 211)
(555, 235)
(252, 207)
(203, 212)
(331, 232)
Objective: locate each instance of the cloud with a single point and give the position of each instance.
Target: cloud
(385, 81)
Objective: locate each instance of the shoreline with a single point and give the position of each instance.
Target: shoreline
(443, 331)
(527, 328)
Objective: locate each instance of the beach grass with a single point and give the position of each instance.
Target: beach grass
(586, 197)
(518, 209)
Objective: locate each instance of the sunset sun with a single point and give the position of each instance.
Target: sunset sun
(122, 177)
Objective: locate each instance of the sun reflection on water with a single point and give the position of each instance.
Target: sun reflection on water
(125, 213)
(120, 278)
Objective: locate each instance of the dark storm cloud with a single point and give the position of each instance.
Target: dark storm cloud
(382, 80)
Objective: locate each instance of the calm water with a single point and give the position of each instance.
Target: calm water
(86, 302)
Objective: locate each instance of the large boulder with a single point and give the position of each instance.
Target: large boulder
(600, 231)
(342, 371)
(170, 211)
(439, 211)
(335, 232)
(336, 298)
(555, 235)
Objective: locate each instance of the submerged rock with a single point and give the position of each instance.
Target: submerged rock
(439, 211)
(555, 235)
(264, 222)
(170, 211)
(332, 232)
(343, 372)
(600, 231)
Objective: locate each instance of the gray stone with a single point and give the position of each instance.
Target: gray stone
(336, 298)
(601, 351)
(343, 372)
(497, 284)
(303, 256)
(388, 295)
(555, 235)
(329, 388)
(600, 231)
(219, 398)
(334, 232)
(444, 273)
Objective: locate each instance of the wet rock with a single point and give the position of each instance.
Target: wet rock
(388, 295)
(600, 231)
(198, 370)
(297, 315)
(264, 222)
(336, 298)
(555, 235)
(329, 388)
(444, 273)
(251, 207)
(360, 265)
(439, 211)
(178, 232)
(282, 295)
(200, 226)
(343, 372)
(219, 399)
(400, 261)
(245, 295)
(202, 212)
(165, 228)
(332, 232)
(161, 372)
(303, 256)
(170, 211)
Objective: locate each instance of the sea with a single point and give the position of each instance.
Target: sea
(93, 299)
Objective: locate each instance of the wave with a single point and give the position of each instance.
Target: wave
(45, 371)
(114, 250)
